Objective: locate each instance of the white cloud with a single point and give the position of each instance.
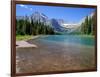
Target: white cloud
(22, 5)
(25, 6)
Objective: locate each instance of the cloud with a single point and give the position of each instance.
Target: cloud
(21, 5)
(25, 6)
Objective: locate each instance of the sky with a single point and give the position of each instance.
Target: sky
(68, 14)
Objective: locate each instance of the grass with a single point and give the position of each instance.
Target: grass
(23, 37)
(27, 37)
(90, 36)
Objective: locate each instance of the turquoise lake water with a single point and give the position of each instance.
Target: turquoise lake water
(69, 39)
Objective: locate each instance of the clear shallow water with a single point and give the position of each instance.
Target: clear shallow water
(56, 53)
(69, 39)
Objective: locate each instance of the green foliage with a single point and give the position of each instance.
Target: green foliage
(25, 27)
(23, 37)
(88, 26)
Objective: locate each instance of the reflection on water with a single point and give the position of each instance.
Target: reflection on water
(57, 53)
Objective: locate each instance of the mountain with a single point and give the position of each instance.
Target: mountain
(56, 25)
(60, 21)
(40, 17)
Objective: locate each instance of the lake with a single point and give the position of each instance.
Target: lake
(57, 53)
(69, 39)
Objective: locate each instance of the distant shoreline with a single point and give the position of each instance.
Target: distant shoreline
(28, 37)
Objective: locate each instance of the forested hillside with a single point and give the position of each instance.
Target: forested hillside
(25, 27)
(89, 25)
